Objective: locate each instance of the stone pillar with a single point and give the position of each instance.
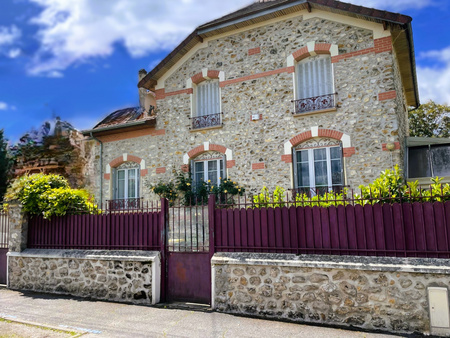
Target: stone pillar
(18, 227)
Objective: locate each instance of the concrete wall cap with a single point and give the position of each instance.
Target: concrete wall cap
(419, 265)
(105, 255)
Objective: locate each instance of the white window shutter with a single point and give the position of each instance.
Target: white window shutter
(314, 77)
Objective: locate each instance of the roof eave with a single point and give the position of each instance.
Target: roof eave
(122, 126)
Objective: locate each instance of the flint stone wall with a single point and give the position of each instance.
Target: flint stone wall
(360, 114)
(376, 293)
(120, 276)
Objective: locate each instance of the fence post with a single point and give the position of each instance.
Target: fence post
(163, 219)
(18, 231)
(211, 209)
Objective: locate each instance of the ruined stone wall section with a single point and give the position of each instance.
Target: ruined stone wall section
(362, 293)
(99, 275)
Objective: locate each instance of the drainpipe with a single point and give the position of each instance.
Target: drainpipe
(101, 166)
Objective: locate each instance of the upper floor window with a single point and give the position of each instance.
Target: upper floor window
(314, 84)
(318, 166)
(207, 104)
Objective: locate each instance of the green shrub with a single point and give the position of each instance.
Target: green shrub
(165, 190)
(266, 200)
(189, 193)
(49, 195)
(387, 188)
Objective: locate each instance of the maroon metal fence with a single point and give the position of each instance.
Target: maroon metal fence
(402, 230)
(4, 239)
(106, 231)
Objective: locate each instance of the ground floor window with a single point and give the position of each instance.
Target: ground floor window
(318, 169)
(209, 168)
(127, 181)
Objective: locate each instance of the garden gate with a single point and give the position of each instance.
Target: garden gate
(4, 236)
(188, 253)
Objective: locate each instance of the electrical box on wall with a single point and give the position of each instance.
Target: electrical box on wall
(255, 117)
(439, 311)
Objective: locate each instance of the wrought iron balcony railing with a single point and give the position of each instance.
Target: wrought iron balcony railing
(206, 121)
(125, 204)
(315, 103)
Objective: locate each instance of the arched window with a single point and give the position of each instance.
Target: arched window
(126, 181)
(314, 84)
(208, 167)
(318, 166)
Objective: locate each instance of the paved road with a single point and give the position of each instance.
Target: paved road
(104, 319)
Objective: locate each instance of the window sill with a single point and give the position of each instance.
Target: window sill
(328, 110)
(206, 128)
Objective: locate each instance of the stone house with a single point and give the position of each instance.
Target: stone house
(308, 95)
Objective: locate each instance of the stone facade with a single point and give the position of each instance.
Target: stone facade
(132, 277)
(257, 78)
(367, 292)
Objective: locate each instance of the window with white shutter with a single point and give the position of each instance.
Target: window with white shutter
(207, 104)
(314, 84)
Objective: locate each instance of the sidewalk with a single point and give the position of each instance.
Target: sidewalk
(75, 317)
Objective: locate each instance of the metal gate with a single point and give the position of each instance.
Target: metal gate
(188, 255)
(4, 236)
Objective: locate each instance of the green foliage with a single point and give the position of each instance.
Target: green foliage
(430, 120)
(5, 165)
(63, 201)
(189, 193)
(388, 188)
(265, 199)
(49, 195)
(164, 190)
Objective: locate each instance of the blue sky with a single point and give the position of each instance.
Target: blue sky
(79, 59)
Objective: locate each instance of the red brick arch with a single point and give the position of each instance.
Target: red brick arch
(209, 147)
(319, 48)
(122, 159)
(317, 132)
(199, 77)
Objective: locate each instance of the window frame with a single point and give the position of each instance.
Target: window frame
(126, 183)
(221, 170)
(298, 87)
(312, 187)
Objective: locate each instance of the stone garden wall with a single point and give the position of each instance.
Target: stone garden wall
(376, 293)
(120, 276)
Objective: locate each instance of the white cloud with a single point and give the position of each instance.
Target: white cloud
(75, 31)
(9, 35)
(434, 81)
(3, 105)
(14, 52)
(393, 5)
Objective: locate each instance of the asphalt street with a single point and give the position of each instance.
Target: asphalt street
(107, 319)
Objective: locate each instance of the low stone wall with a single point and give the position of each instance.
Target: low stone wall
(376, 293)
(123, 276)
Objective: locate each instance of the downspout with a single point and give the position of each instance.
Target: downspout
(101, 166)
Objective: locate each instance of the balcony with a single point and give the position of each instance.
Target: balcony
(315, 103)
(206, 121)
(125, 204)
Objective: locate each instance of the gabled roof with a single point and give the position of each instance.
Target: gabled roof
(123, 118)
(264, 10)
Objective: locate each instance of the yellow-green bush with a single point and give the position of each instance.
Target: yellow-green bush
(49, 195)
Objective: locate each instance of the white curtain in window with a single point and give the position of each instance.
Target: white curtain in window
(208, 99)
(314, 77)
